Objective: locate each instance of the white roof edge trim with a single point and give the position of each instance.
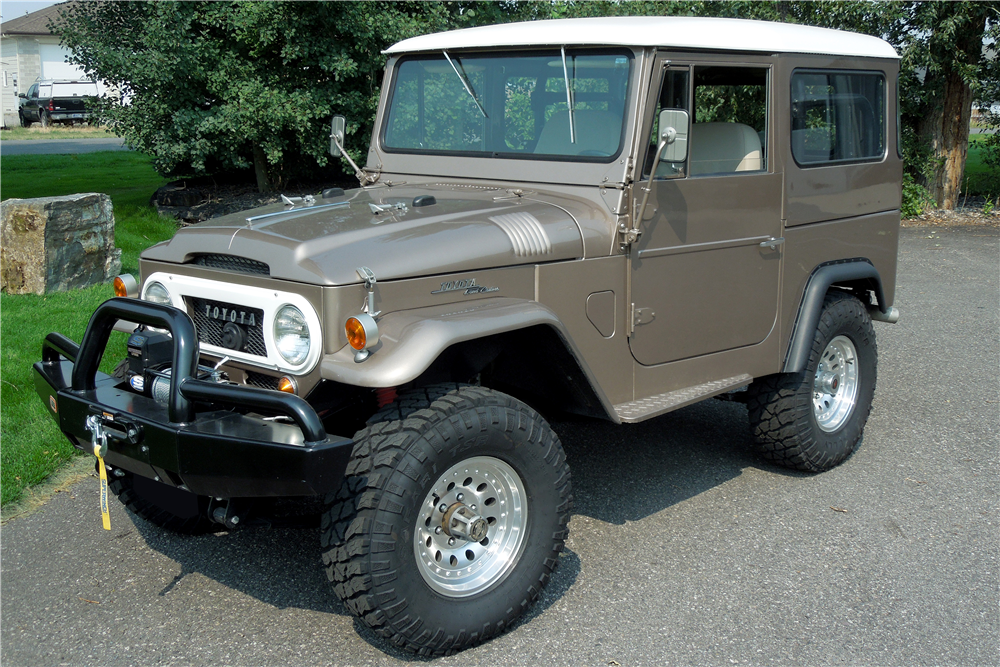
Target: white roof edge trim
(680, 32)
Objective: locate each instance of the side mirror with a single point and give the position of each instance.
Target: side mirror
(337, 135)
(674, 124)
(22, 96)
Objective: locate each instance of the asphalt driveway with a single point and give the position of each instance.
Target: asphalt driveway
(684, 548)
(60, 146)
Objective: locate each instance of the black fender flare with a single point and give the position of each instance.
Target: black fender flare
(848, 272)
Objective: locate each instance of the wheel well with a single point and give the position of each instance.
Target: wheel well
(533, 365)
(857, 275)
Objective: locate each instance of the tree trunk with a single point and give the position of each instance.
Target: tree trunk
(946, 128)
(260, 168)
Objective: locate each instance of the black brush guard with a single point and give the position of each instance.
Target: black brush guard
(214, 451)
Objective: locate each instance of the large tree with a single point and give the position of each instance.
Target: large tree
(947, 68)
(216, 86)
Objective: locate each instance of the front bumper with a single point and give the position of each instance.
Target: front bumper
(196, 441)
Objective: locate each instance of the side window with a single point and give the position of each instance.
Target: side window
(33, 91)
(675, 92)
(837, 116)
(729, 127)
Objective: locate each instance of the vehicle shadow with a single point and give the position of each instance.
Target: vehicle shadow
(620, 474)
(624, 473)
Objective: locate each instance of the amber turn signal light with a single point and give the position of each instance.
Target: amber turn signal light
(362, 334)
(287, 385)
(356, 333)
(126, 285)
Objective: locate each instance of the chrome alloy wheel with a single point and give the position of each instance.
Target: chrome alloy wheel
(835, 389)
(480, 494)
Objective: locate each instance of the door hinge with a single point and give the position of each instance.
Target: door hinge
(641, 316)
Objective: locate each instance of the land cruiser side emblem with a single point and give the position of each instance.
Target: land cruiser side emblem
(468, 286)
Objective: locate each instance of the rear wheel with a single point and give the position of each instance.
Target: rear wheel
(44, 119)
(450, 521)
(813, 420)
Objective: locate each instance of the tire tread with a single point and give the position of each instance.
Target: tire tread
(395, 431)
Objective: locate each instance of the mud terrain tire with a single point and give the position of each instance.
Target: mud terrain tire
(384, 517)
(814, 420)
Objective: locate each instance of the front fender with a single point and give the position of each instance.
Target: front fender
(410, 341)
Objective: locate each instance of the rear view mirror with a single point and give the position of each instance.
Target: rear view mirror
(337, 135)
(674, 130)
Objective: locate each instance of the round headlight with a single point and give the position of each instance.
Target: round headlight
(291, 335)
(157, 293)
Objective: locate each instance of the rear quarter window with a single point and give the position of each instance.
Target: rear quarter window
(837, 117)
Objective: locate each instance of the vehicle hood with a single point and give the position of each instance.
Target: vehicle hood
(470, 227)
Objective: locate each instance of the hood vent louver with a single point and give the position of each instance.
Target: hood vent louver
(526, 233)
(232, 263)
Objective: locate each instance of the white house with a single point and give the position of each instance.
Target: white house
(29, 51)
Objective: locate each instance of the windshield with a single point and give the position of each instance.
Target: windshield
(564, 104)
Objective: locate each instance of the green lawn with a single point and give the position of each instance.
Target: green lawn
(32, 445)
(36, 131)
(981, 178)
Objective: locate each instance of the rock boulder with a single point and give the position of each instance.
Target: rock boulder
(54, 244)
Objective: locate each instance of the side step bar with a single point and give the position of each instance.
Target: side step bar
(645, 408)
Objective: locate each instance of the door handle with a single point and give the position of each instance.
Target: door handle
(773, 243)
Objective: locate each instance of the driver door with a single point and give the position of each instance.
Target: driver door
(705, 268)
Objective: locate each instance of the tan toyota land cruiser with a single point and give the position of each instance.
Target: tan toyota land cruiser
(609, 217)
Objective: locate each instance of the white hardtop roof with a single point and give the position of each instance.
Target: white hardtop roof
(679, 32)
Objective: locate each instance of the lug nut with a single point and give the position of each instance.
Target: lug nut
(451, 541)
(437, 530)
(460, 497)
(443, 508)
(235, 520)
(472, 507)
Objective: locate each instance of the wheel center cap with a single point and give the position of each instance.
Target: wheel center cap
(461, 522)
(829, 383)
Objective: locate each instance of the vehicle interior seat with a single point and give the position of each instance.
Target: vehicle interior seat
(722, 148)
(597, 133)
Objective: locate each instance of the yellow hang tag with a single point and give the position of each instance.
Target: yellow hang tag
(105, 514)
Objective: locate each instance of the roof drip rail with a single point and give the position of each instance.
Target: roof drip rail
(569, 99)
(468, 88)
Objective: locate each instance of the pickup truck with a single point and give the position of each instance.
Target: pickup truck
(56, 101)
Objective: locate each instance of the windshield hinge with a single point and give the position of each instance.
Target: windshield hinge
(629, 235)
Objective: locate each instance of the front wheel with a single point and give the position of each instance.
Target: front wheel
(24, 121)
(450, 521)
(813, 420)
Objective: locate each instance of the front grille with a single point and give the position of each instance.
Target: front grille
(207, 316)
(262, 381)
(233, 263)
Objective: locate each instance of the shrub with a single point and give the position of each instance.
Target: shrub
(916, 198)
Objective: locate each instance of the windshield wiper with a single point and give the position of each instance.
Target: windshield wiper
(465, 82)
(569, 100)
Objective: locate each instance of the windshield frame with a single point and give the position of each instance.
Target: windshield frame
(626, 118)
